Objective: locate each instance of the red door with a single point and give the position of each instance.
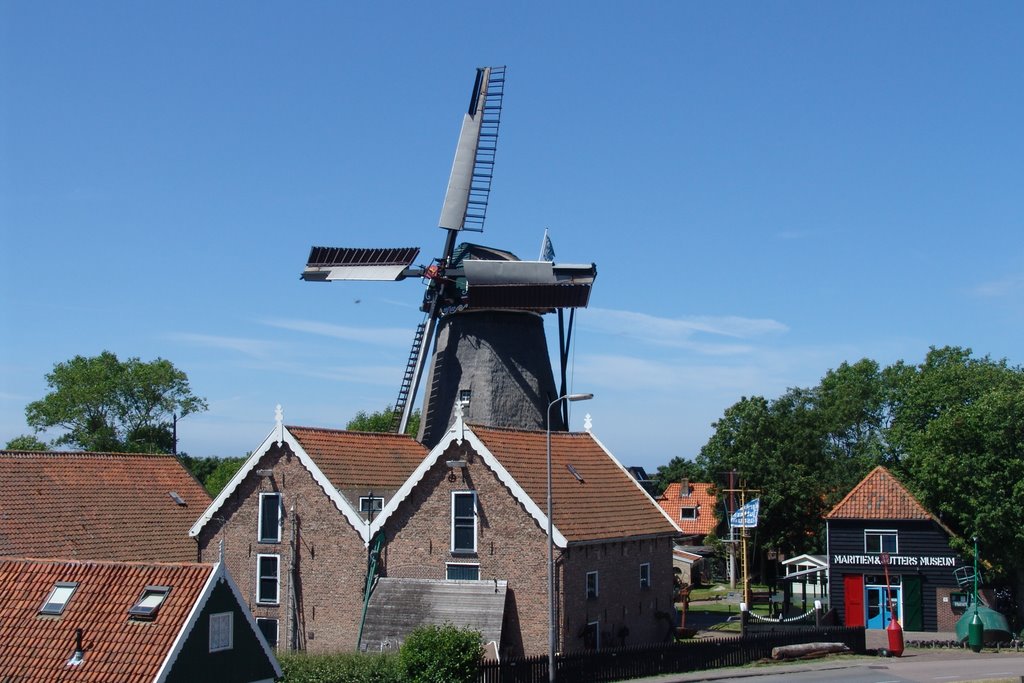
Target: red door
(853, 599)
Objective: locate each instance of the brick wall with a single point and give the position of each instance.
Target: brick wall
(625, 612)
(330, 562)
(947, 618)
(512, 546)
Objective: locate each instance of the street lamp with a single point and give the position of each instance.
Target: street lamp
(551, 540)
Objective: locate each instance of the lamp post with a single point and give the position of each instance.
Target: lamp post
(551, 540)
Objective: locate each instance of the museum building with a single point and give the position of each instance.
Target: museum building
(880, 528)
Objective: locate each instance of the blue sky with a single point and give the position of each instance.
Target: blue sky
(767, 189)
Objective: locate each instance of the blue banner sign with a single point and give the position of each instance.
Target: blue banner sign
(745, 517)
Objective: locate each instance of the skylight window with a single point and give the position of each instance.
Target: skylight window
(149, 602)
(58, 598)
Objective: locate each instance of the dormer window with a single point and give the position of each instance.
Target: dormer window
(58, 598)
(148, 604)
(688, 513)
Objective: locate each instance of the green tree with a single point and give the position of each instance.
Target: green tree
(777, 450)
(677, 469)
(441, 654)
(381, 421)
(105, 404)
(26, 442)
(960, 430)
(212, 472)
(221, 474)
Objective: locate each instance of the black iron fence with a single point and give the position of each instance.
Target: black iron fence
(619, 664)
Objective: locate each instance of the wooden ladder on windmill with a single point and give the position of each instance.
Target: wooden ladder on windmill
(411, 370)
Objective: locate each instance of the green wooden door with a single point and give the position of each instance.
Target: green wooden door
(913, 609)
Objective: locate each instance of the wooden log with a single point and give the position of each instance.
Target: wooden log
(807, 649)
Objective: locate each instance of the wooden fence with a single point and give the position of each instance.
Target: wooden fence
(619, 664)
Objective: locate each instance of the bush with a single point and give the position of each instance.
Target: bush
(351, 667)
(441, 654)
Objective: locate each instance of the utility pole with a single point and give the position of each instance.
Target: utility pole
(742, 490)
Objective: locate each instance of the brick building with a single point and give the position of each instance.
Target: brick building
(312, 509)
(879, 521)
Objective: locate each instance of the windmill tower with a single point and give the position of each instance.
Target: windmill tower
(482, 307)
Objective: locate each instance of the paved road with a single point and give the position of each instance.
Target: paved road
(916, 666)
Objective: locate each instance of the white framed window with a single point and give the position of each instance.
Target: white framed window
(464, 522)
(268, 579)
(149, 602)
(878, 541)
(592, 587)
(456, 571)
(688, 513)
(371, 504)
(58, 598)
(645, 576)
(221, 631)
(269, 629)
(270, 518)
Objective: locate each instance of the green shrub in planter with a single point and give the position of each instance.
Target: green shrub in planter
(441, 654)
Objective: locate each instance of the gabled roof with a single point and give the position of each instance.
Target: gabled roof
(819, 560)
(361, 459)
(700, 497)
(602, 503)
(337, 460)
(879, 496)
(100, 506)
(37, 648)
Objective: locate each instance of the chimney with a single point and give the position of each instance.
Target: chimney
(684, 488)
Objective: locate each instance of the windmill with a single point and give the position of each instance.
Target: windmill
(482, 306)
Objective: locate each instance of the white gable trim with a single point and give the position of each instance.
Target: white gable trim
(278, 435)
(186, 626)
(636, 483)
(460, 432)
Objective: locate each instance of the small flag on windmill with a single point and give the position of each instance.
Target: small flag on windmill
(547, 251)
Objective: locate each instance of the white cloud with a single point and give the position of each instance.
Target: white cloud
(255, 348)
(392, 336)
(680, 332)
(1003, 287)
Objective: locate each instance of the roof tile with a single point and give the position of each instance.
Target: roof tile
(103, 506)
(351, 459)
(700, 496)
(37, 648)
(604, 503)
(879, 495)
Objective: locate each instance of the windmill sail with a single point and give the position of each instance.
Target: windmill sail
(469, 185)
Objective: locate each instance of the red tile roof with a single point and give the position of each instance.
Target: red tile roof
(604, 503)
(350, 459)
(879, 496)
(102, 506)
(36, 648)
(700, 497)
